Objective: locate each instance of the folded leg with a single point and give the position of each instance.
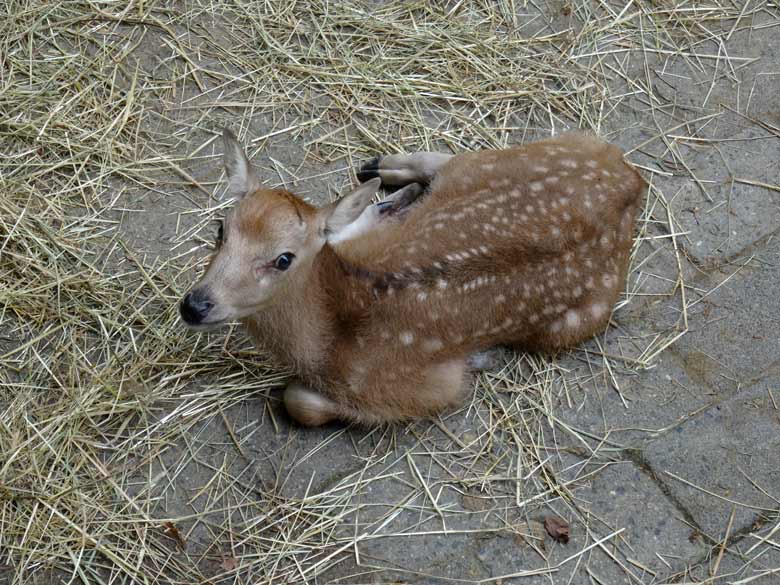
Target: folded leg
(402, 169)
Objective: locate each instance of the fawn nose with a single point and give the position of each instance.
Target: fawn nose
(194, 307)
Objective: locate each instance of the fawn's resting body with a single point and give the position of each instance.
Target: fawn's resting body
(526, 247)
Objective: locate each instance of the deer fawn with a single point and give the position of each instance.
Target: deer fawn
(380, 309)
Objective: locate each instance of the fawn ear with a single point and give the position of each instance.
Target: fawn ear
(343, 212)
(241, 175)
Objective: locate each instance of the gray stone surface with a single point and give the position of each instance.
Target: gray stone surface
(732, 343)
(491, 538)
(722, 460)
(734, 330)
(646, 404)
(754, 558)
(625, 496)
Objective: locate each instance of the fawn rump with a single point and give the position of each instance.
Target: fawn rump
(381, 309)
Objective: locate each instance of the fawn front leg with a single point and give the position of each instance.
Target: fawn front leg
(402, 169)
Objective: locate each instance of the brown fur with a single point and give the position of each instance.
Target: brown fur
(527, 247)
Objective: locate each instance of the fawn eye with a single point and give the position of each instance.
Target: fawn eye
(283, 261)
(220, 232)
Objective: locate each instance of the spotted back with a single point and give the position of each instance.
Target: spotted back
(526, 246)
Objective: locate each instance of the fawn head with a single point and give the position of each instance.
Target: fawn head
(266, 245)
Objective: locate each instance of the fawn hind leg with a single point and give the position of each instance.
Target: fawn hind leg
(400, 200)
(402, 169)
(440, 387)
(445, 385)
(437, 388)
(372, 217)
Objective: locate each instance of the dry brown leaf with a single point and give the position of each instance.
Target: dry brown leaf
(558, 528)
(173, 532)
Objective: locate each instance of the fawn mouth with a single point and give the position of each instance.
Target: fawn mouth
(205, 326)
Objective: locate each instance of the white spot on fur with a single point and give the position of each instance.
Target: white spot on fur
(572, 319)
(536, 186)
(432, 345)
(406, 337)
(598, 310)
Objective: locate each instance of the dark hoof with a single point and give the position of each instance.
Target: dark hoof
(386, 207)
(369, 170)
(409, 195)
